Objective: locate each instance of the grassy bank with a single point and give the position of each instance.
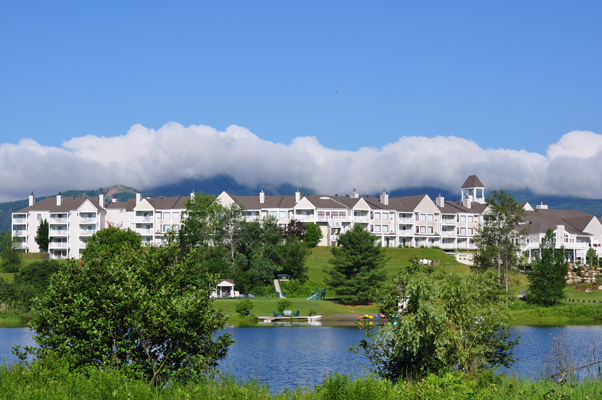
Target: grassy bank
(322, 307)
(38, 383)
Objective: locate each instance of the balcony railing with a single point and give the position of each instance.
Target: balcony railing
(405, 221)
(87, 232)
(59, 220)
(448, 221)
(252, 218)
(59, 232)
(144, 219)
(305, 218)
(448, 233)
(82, 245)
(58, 245)
(332, 218)
(19, 220)
(361, 218)
(145, 231)
(87, 220)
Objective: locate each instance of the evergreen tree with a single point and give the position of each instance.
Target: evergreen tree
(357, 265)
(548, 275)
(294, 254)
(42, 237)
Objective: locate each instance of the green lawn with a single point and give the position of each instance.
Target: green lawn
(322, 307)
(398, 257)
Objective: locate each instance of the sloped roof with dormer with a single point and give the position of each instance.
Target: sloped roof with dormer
(472, 181)
(539, 221)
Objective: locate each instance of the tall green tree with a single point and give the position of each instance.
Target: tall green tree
(592, 257)
(203, 225)
(112, 239)
(294, 255)
(42, 236)
(440, 322)
(144, 311)
(33, 280)
(356, 269)
(313, 234)
(547, 278)
(497, 240)
(10, 254)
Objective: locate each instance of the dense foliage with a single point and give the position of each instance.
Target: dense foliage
(293, 255)
(112, 239)
(440, 322)
(10, 254)
(497, 240)
(33, 280)
(42, 236)
(313, 234)
(547, 278)
(356, 269)
(144, 311)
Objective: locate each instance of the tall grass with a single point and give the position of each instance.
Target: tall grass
(56, 382)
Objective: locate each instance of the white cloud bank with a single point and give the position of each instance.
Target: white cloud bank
(146, 158)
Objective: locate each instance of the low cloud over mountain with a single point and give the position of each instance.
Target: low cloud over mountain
(146, 158)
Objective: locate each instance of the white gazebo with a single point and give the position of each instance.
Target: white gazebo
(225, 289)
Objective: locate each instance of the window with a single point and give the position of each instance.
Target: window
(430, 229)
(462, 231)
(357, 214)
(470, 231)
(385, 228)
(342, 214)
(376, 215)
(385, 215)
(376, 228)
(470, 218)
(335, 214)
(175, 215)
(417, 229)
(423, 217)
(39, 217)
(273, 214)
(282, 214)
(423, 229)
(462, 218)
(320, 214)
(167, 215)
(166, 227)
(429, 217)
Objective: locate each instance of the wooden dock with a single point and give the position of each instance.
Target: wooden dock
(289, 319)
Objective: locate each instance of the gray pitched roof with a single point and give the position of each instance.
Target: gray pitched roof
(67, 204)
(453, 207)
(539, 221)
(472, 181)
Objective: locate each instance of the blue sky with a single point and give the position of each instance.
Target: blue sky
(505, 75)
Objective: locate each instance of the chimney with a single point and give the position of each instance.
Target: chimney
(59, 199)
(261, 197)
(355, 194)
(440, 202)
(384, 197)
(114, 199)
(466, 202)
(297, 196)
(101, 199)
(541, 206)
(32, 199)
(192, 195)
(138, 198)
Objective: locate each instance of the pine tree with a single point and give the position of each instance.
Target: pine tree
(357, 266)
(548, 276)
(42, 236)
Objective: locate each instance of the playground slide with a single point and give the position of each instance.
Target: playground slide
(309, 298)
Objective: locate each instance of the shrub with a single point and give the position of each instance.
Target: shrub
(283, 305)
(244, 307)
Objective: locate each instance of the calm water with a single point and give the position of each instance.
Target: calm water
(285, 356)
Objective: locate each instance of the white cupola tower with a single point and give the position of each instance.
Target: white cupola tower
(473, 190)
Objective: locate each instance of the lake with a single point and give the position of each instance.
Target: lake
(285, 355)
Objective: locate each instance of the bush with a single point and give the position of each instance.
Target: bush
(244, 307)
(283, 305)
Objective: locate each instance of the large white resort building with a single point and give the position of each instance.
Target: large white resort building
(413, 221)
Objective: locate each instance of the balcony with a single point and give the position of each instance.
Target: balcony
(332, 218)
(87, 220)
(448, 233)
(87, 232)
(147, 232)
(252, 218)
(19, 220)
(305, 218)
(82, 245)
(408, 221)
(58, 232)
(334, 238)
(58, 245)
(143, 219)
(361, 218)
(58, 220)
(448, 221)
